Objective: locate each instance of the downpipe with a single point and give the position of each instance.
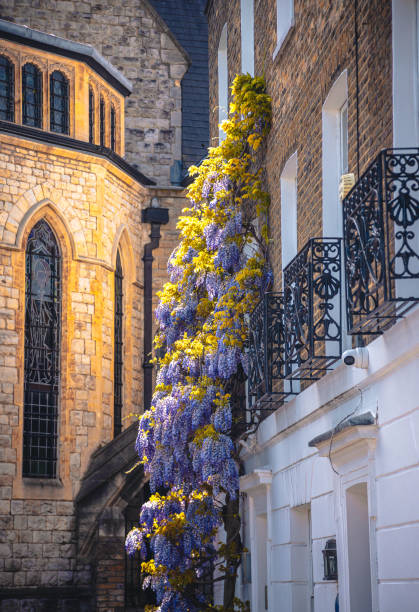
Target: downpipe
(156, 216)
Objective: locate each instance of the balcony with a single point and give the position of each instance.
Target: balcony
(296, 335)
(381, 242)
(266, 352)
(312, 311)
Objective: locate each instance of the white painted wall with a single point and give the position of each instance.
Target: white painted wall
(247, 24)
(222, 80)
(388, 464)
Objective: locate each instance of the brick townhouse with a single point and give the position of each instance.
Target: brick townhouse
(94, 141)
(330, 508)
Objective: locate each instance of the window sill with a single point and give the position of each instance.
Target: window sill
(43, 482)
(282, 42)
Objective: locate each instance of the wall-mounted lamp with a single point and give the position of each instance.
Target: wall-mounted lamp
(330, 561)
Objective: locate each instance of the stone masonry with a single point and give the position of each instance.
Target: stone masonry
(133, 37)
(91, 206)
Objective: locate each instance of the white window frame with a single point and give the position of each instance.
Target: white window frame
(332, 156)
(222, 81)
(288, 181)
(284, 22)
(405, 45)
(343, 138)
(405, 73)
(247, 27)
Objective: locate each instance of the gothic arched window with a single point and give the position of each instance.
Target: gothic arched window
(7, 98)
(118, 345)
(42, 353)
(32, 95)
(113, 128)
(91, 116)
(102, 121)
(58, 111)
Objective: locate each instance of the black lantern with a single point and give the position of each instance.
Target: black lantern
(330, 561)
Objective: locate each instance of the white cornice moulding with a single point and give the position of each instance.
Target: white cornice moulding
(357, 442)
(261, 477)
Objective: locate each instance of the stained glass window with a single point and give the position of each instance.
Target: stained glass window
(58, 90)
(42, 344)
(7, 99)
(91, 115)
(118, 345)
(113, 128)
(32, 95)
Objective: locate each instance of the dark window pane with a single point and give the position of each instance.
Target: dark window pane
(7, 98)
(32, 95)
(42, 346)
(113, 128)
(91, 116)
(58, 103)
(118, 344)
(102, 122)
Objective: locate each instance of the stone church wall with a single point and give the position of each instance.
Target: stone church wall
(135, 40)
(93, 208)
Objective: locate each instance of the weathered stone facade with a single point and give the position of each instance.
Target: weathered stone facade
(93, 206)
(133, 37)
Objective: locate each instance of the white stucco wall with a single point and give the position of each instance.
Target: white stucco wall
(303, 482)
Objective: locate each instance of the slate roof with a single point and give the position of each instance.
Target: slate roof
(187, 21)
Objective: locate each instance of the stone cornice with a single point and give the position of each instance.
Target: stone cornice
(23, 131)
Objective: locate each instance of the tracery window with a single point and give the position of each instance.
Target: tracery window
(32, 95)
(118, 345)
(58, 88)
(102, 122)
(113, 128)
(91, 115)
(7, 99)
(42, 347)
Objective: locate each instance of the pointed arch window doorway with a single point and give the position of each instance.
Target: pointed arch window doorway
(42, 353)
(118, 345)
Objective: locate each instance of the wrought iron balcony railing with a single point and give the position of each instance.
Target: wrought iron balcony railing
(381, 242)
(297, 334)
(312, 309)
(266, 352)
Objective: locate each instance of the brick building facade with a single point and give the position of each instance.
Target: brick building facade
(324, 474)
(320, 47)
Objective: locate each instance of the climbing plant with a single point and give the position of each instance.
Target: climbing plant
(188, 440)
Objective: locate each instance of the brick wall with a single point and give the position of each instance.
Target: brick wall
(319, 48)
(135, 40)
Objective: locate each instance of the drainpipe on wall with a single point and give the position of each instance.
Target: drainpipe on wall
(156, 216)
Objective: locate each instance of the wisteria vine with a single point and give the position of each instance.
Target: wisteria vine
(187, 440)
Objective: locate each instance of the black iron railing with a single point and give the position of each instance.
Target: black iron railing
(266, 352)
(312, 309)
(297, 334)
(381, 242)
